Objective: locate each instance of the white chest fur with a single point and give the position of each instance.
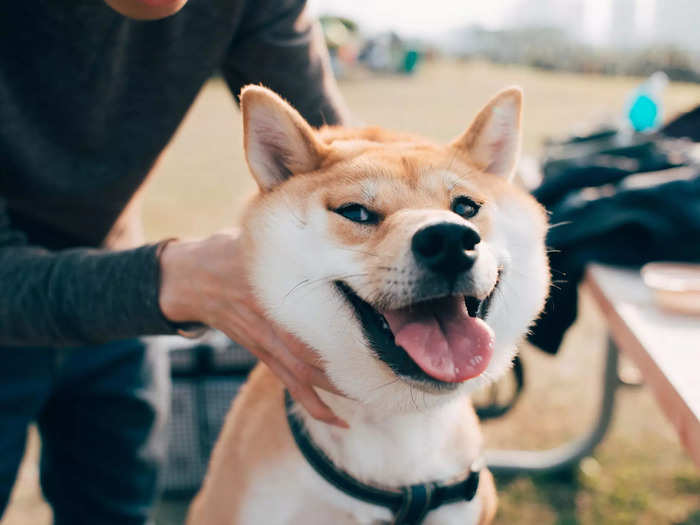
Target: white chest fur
(420, 446)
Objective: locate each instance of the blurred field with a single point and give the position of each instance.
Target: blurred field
(639, 475)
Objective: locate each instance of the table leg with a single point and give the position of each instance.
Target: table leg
(568, 455)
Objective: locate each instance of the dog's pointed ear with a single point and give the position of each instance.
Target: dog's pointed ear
(493, 139)
(278, 142)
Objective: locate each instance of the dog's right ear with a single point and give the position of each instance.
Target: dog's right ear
(493, 139)
(278, 141)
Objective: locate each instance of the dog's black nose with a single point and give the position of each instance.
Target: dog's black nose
(446, 248)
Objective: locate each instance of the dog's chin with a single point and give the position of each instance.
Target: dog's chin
(381, 341)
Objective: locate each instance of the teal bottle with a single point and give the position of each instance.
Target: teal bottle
(644, 108)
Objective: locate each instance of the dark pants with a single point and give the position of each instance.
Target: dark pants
(101, 412)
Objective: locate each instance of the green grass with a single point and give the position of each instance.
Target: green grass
(639, 474)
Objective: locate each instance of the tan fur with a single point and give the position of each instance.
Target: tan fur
(488, 497)
(243, 447)
(304, 175)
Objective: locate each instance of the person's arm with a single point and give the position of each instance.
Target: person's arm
(279, 46)
(75, 297)
(82, 296)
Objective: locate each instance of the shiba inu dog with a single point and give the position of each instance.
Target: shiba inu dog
(413, 269)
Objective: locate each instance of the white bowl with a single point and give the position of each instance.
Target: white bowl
(676, 286)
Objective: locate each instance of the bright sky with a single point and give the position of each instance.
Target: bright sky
(415, 16)
(436, 16)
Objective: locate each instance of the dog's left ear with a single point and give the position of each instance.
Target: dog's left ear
(278, 142)
(492, 141)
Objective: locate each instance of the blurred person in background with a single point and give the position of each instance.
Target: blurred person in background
(90, 95)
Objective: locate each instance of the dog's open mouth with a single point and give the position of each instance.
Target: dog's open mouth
(443, 340)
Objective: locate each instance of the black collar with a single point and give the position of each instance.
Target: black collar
(409, 504)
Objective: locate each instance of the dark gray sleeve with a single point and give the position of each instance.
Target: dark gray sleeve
(75, 297)
(279, 46)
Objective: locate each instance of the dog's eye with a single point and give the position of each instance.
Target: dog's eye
(465, 207)
(357, 213)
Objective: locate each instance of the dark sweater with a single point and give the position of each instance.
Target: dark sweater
(88, 100)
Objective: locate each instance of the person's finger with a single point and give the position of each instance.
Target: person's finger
(304, 363)
(231, 231)
(302, 393)
(299, 349)
(308, 374)
(293, 354)
(304, 373)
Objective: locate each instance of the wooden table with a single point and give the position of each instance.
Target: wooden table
(666, 349)
(664, 346)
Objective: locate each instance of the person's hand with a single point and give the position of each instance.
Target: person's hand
(204, 281)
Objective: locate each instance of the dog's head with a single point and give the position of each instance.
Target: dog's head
(409, 266)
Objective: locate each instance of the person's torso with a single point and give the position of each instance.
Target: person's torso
(88, 100)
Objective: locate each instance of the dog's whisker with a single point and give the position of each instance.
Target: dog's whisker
(413, 396)
(558, 224)
(384, 385)
(301, 222)
(295, 287)
(451, 161)
(311, 287)
(308, 282)
(363, 252)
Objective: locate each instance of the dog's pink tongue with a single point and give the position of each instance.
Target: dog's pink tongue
(442, 339)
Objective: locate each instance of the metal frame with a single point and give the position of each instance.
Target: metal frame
(566, 456)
